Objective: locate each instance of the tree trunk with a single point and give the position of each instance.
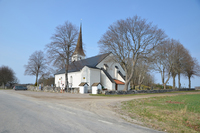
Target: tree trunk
(66, 70)
(127, 80)
(3, 85)
(163, 78)
(164, 86)
(126, 86)
(189, 82)
(36, 80)
(66, 77)
(164, 83)
(140, 80)
(174, 82)
(179, 82)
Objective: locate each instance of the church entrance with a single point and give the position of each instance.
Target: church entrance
(116, 86)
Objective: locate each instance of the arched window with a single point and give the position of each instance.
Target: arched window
(58, 84)
(71, 80)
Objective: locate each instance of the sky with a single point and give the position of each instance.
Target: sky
(27, 25)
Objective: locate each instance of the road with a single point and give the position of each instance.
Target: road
(23, 114)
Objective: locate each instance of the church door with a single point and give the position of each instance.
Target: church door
(116, 87)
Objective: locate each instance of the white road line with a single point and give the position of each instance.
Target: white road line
(105, 122)
(58, 109)
(70, 112)
(50, 106)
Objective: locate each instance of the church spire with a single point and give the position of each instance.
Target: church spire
(79, 46)
(79, 53)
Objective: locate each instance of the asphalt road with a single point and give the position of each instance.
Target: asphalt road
(22, 114)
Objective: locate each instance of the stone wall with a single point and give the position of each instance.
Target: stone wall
(142, 91)
(197, 88)
(51, 89)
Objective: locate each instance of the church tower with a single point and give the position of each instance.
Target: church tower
(79, 53)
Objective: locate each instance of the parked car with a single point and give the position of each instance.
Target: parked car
(20, 88)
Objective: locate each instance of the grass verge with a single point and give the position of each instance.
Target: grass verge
(140, 94)
(168, 113)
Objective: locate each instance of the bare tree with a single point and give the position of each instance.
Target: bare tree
(179, 58)
(141, 73)
(131, 39)
(163, 60)
(191, 68)
(36, 65)
(46, 80)
(62, 47)
(7, 75)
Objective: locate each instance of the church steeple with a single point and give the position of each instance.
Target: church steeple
(79, 53)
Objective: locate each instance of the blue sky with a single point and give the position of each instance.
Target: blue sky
(27, 25)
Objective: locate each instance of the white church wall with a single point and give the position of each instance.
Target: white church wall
(94, 76)
(60, 80)
(120, 87)
(120, 78)
(74, 79)
(106, 83)
(85, 75)
(122, 71)
(111, 67)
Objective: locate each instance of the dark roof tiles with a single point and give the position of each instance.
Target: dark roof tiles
(91, 62)
(79, 46)
(83, 83)
(96, 84)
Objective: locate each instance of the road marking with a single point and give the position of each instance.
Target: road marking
(50, 106)
(59, 109)
(105, 122)
(70, 112)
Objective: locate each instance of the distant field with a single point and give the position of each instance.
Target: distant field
(168, 113)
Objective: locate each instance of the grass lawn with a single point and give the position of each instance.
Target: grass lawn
(167, 113)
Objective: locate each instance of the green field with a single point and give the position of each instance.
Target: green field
(169, 113)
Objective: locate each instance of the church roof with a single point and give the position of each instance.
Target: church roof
(83, 83)
(119, 82)
(121, 75)
(79, 46)
(96, 84)
(91, 62)
(108, 75)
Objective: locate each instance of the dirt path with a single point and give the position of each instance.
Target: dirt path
(102, 106)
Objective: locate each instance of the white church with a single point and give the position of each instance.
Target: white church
(100, 70)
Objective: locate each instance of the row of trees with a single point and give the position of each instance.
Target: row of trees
(172, 59)
(139, 46)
